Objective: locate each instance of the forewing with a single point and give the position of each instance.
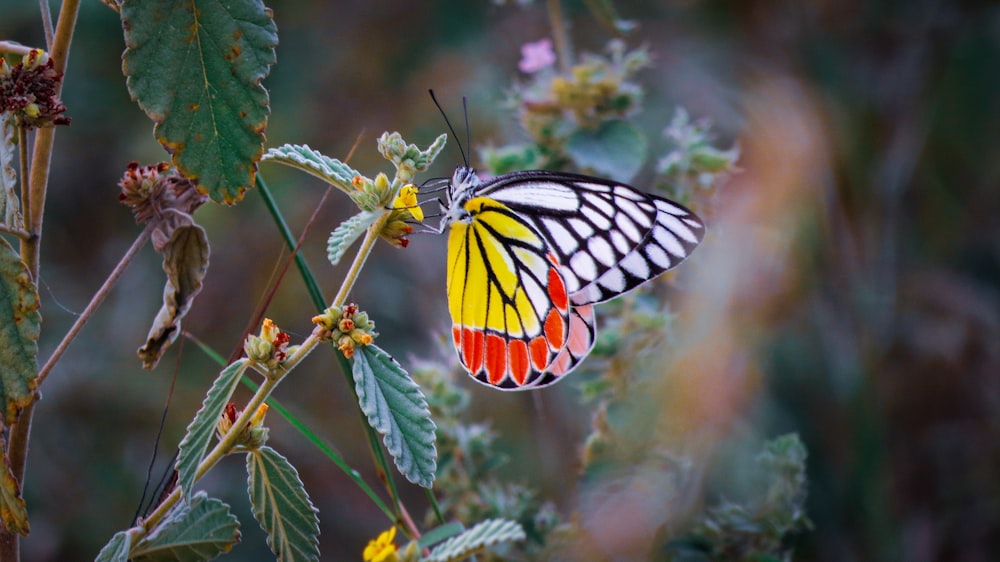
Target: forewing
(509, 306)
(610, 237)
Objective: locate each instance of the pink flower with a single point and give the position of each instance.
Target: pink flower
(536, 56)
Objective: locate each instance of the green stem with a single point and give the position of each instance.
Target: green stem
(359, 260)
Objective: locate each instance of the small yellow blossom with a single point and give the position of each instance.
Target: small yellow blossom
(407, 199)
(382, 548)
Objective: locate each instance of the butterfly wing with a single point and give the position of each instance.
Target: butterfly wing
(510, 311)
(610, 237)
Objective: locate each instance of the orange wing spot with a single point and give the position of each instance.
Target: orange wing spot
(496, 359)
(539, 350)
(519, 365)
(557, 290)
(472, 349)
(555, 330)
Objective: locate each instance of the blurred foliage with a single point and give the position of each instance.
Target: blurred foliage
(869, 324)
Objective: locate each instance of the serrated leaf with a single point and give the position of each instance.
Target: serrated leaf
(13, 512)
(616, 149)
(185, 261)
(488, 533)
(397, 409)
(196, 67)
(116, 550)
(346, 233)
(281, 506)
(302, 157)
(201, 429)
(10, 203)
(18, 334)
(191, 533)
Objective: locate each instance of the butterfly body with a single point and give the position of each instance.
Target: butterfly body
(529, 253)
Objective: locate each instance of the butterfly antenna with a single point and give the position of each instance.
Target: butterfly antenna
(468, 133)
(452, 129)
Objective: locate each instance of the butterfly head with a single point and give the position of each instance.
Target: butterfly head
(461, 188)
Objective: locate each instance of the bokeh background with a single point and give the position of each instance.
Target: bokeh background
(850, 290)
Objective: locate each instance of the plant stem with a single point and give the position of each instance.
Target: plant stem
(17, 449)
(359, 260)
(14, 48)
(95, 302)
(564, 50)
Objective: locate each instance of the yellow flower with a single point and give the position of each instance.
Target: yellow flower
(382, 549)
(407, 199)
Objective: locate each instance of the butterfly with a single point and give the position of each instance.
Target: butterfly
(529, 255)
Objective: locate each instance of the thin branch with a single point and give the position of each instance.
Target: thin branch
(560, 36)
(14, 48)
(95, 302)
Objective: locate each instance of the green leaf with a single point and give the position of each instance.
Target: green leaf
(10, 213)
(116, 550)
(185, 261)
(302, 157)
(281, 506)
(616, 149)
(18, 333)
(488, 533)
(441, 533)
(202, 427)
(13, 512)
(191, 533)
(397, 409)
(346, 233)
(195, 67)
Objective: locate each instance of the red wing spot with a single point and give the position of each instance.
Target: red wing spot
(557, 290)
(456, 337)
(519, 366)
(496, 359)
(539, 349)
(579, 332)
(472, 349)
(555, 330)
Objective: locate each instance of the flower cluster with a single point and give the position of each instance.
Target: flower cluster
(405, 210)
(29, 89)
(253, 436)
(155, 191)
(348, 327)
(553, 106)
(270, 348)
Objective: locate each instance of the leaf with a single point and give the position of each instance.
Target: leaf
(117, 549)
(195, 67)
(185, 261)
(281, 506)
(202, 427)
(346, 233)
(605, 13)
(616, 149)
(397, 409)
(200, 531)
(10, 213)
(441, 533)
(18, 334)
(488, 533)
(302, 157)
(13, 512)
